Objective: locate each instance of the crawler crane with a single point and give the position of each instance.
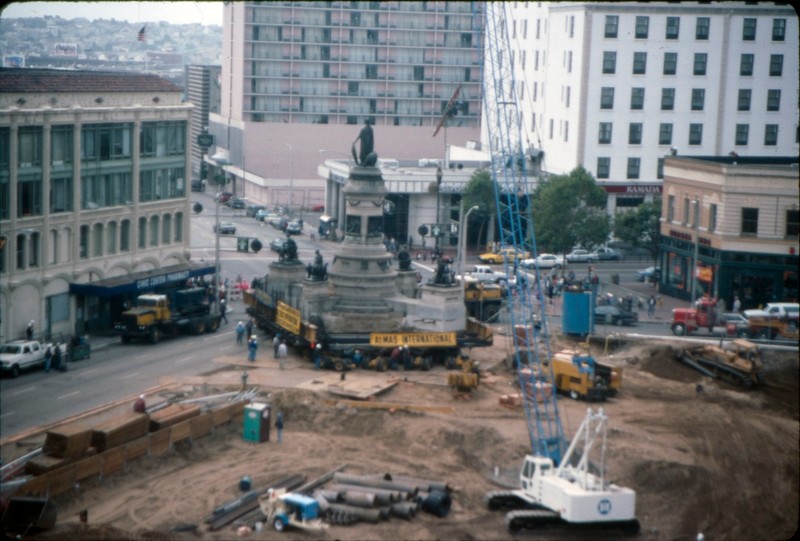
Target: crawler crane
(556, 485)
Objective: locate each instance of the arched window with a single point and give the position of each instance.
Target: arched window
(54, 246)
(111, 238)
(154, 231)
(142, 232)
(178, 227)
(125, 236)
(166, 229)
(97, 240)
(84, 251)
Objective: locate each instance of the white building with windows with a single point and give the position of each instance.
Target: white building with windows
(93, 201)
(616, 86)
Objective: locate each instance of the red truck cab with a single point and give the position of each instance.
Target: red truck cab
(688, 320)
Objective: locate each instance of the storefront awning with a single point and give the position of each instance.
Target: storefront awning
(141, 282)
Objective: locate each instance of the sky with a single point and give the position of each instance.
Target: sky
(133, 12)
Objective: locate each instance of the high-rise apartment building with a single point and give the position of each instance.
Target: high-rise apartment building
(202, 85)
(299, 79)
(616, 86)
(93, 203)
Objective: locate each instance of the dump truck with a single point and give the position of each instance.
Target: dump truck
(165, 315)
(740, 363)
(580, 376)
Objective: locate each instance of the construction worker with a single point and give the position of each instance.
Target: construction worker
(279, 426)
(239, 333)
(252, 347)
(317, 356)
(139, 406)
(282, 353)
(406, 356)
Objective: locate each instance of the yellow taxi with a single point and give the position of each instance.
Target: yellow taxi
(505, 254)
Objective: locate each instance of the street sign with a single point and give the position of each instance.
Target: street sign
(205, 139)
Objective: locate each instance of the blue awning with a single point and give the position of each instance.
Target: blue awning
(141, 282)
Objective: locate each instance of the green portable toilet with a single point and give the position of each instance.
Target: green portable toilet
(257, 417)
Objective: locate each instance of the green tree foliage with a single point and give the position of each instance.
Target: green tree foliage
(640, 227)
(479, 192)
(569, 211)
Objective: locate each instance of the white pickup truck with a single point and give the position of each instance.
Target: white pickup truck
(22, 354)
(485, 273)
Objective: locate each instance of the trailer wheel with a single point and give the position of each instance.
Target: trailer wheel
(338, 365)
(200, 327)
(381, 365)
(763, 335)
(213, 325)
(744, 333)
(278, 524)
(15, 371)
(573, 394)
(154, 335)
(679, 329)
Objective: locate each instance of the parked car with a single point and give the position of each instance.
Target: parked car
(509, 254)
(251, 210)
(225, 228)
(545, 261)
(735, 324)
(236, 203)
(614, 315)
(649, 274)
(604, 254)
(276, 245)
(581, 256)
(294, 228)
(222, 197)
(198, 185)
(318, 208)
(263, 215)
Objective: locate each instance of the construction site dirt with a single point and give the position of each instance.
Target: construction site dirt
(702, 456)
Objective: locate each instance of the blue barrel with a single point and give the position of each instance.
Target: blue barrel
(576, 318)
(244, 483)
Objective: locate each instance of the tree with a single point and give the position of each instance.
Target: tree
(570, 210)
(640, 227)
(479, 192)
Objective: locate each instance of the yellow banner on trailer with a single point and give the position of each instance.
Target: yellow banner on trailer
(413, 339)
(288, 318)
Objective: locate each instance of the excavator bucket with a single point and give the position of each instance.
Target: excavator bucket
(27, 515)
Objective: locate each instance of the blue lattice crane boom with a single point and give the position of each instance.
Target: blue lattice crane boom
(555, 482)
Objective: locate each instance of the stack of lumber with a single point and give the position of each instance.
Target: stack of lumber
(45, 463)
(172, 414)
(120, 429)
(67, 441)
(511, 400)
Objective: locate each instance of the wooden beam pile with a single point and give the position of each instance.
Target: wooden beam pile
(120, 429)
(172, 414)
(68, 441)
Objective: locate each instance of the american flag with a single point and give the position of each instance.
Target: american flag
(141, 34)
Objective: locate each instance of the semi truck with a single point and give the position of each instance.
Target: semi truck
(165, 315)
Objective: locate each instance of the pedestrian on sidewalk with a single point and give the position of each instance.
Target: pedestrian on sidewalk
(240, 333)
(737, 304)
(248, 328)
(252, 347)
(48, 356)
(279, 426)
(651, 306)
(282, 353)
(222, 310)
(275, 343)
(317, 356)
(57, 358)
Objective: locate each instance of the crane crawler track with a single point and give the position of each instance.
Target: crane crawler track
(529, 519)
(508, 499)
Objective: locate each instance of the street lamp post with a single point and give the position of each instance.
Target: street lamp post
(438, 191)
(696, 248)
(463, 246)
(291, 176)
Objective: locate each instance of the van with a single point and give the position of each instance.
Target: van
(782, 310)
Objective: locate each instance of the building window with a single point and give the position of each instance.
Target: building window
(29, 196)
(749, 29)
(125, 235)
(352, 88)
(642, 27)
(178, 227)
(102, 142)
(166, 229)
(29, 153)
(670, 63)
(700, 63)
(371, 71)
(746, 62)
(142, 232)
(673, 27)
(154, 223)
(158, 139)
(419, 73)
(109, 190)
(84, 242)
(698, 99)
(637, 98)
(635, 133)
(712, 218)
(743, 102)
(61, 194)
(778, 29)
(742, 134)
(667, 99)
(466, 40)
(749, 221)
(605, 133)
(792, 223)
(773, 100)
(671, 208)
(607, 97)
(695, 134)
(665, 134)
(703, 28)
(158, 184)
(612, 26)
(609, 62)
(640, 63)
(111, 238)
(97, 240)
(633, 168)
(61, 145)
(687, 207)
(775, 65)
(603, 167)
(771, 135)
(660, 168)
